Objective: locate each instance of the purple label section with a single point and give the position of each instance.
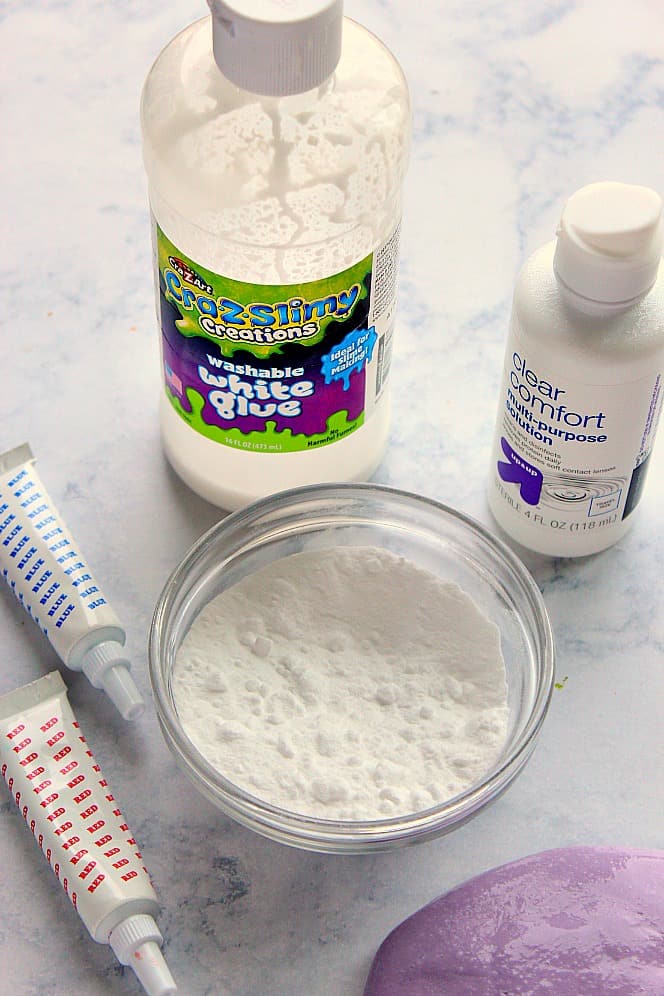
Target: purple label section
(516, 470)
(236, 395)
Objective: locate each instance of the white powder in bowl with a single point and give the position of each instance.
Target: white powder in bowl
(345, 683)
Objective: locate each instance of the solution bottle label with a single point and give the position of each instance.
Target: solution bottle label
(275, 368)
(569, 456)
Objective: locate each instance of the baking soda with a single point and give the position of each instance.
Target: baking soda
(345, 683)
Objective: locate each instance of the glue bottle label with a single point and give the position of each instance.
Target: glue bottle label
(275, 368)
(569, 456)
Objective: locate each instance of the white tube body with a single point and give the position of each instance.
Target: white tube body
(65, 800)
(43, 566)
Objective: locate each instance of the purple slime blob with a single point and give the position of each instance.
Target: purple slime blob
(580, 921)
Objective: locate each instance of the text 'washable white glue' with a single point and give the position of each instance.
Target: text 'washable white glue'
(43, 566)
(67, 803)
(581, 393)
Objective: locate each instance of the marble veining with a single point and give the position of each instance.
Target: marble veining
(515, 106)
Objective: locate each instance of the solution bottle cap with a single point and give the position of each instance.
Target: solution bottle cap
(274, 48)
(610, 242)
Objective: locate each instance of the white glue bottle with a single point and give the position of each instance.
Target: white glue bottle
(581, 392)
(275, 139)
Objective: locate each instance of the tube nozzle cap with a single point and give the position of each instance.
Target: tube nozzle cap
(136, 942)
(106, 666)
(119, 685)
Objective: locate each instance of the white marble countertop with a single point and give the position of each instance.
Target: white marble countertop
(515, 106)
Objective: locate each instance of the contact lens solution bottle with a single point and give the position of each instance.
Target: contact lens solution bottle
(581, 393)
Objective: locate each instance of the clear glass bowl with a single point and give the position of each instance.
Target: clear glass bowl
(437, 538)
